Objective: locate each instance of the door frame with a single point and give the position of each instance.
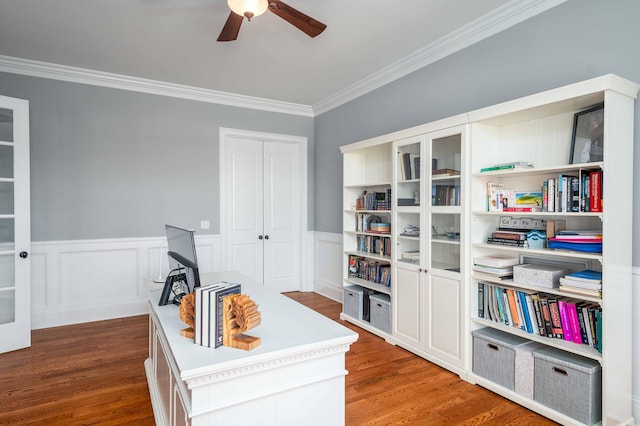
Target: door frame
(302, 143)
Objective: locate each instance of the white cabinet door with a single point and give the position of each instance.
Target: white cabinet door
(15, 234)
(408, 316)
(444, 319)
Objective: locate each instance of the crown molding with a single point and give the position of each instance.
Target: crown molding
(510, 14)
(500, 19)
(117, 81)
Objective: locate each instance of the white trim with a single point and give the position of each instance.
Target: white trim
(118, 81)
(500, 19)
(302, 143)
(504, 17)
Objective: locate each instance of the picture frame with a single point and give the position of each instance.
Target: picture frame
(587, 139)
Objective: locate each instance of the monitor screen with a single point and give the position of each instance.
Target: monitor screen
(182, 253)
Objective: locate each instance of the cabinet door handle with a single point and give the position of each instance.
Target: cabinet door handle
(259, 237)
(266, 237)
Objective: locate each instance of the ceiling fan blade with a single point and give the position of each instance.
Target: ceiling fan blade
(231, 27)
(305, 23)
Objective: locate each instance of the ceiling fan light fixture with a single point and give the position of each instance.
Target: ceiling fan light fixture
(248, 8)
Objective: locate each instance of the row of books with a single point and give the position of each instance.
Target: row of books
(370, 270)
(542, 314)
(410, 166)
(208, 319)
(372, 200)
(445, 195)
(568, 193)
(374, 244)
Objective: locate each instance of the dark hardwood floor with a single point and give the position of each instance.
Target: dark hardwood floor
(93, 374)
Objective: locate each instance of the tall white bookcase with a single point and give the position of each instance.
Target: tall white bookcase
(538, 129)
(434, 308)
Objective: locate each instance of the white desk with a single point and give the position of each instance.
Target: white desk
(296, 375)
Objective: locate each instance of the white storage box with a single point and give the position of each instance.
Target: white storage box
(547, 276)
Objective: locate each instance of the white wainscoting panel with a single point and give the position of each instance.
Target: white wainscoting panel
(91, 280)
(327, 252)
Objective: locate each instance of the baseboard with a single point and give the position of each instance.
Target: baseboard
(88, 314)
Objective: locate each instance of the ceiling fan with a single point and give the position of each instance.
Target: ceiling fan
(251, 8)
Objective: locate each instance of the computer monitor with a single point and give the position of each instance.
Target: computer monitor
(184, 275)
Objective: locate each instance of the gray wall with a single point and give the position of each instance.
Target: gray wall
(575, 41)
(108, 163)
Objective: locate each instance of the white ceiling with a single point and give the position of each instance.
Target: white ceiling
(175, 41)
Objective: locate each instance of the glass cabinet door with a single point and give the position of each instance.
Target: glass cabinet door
(445, 211)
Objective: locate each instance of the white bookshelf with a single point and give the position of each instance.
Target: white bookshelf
(434, 294)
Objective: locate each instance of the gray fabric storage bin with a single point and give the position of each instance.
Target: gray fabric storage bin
(568, 383)
(352, 301)
(494, 355)
(380, 309)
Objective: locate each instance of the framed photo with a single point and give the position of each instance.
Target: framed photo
(587, 142)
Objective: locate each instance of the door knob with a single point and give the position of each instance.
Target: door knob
(259, 237)
(266, 237)
(24, 254)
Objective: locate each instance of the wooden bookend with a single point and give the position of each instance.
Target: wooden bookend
(187, 315)
(240, 314)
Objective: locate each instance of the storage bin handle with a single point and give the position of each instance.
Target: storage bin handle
(560, 371)
(492, 346)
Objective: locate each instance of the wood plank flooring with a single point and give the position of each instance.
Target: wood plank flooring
(93, 374)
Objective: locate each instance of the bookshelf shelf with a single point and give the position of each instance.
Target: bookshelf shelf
(368, 284)
(543, 252)
(583, 350)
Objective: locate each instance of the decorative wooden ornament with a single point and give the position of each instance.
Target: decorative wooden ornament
(240, 314)
(188, 315)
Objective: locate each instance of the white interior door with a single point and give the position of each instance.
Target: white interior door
(263, 207)
(244, 207)
(15, 234)
(281, 216)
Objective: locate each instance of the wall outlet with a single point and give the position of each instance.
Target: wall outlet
(204, 224)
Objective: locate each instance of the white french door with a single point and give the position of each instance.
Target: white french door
(263, 207)
(15, 233)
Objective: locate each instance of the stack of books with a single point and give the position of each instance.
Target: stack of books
(585, 241)
(411, 231)
(411, 256)
(508, 166)
(495, 266)
(586, 283)
(509, 238)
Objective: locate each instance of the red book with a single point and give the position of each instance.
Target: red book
(595, 193)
